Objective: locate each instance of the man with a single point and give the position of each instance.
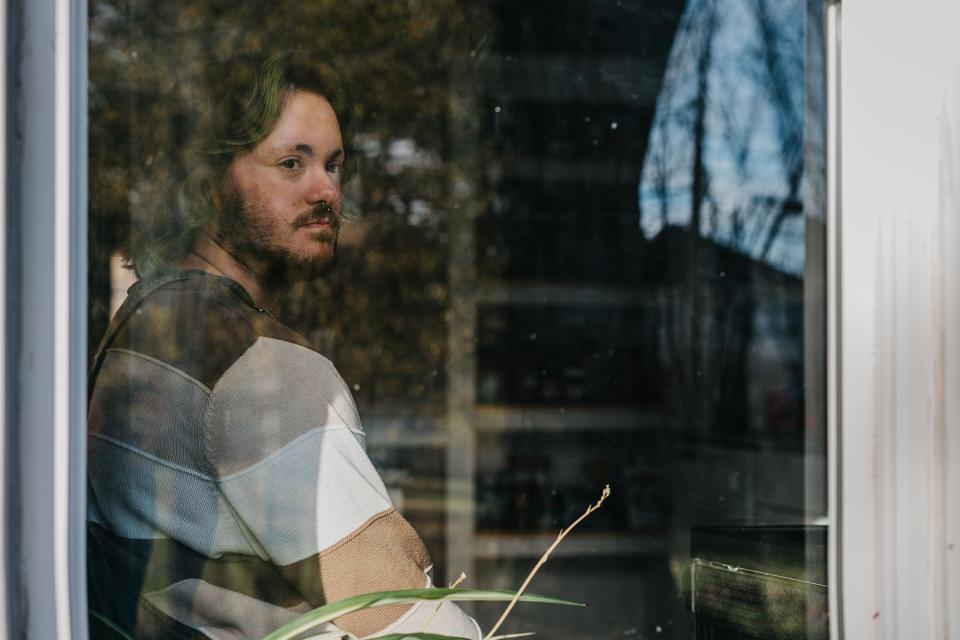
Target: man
(229, 487)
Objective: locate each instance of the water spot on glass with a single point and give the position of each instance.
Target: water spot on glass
(723, 274)
(533, 336)
(614, 125)
(134, 54)
(586, 118)
(496, 109)
(543, 372)
(356, 387)
(658, 628)
(595, 142)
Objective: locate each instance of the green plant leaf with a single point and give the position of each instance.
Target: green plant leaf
(434, 636)
(337, 634)
(418, 636)
(328, 612)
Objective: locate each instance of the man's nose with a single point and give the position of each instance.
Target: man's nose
(323, 186)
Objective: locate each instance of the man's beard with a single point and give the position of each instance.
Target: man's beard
(246, 233)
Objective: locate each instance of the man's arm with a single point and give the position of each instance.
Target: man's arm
(285, 443)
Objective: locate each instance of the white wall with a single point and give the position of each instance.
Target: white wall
(899, 322)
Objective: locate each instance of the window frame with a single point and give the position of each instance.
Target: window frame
(43, 398)
(897, 321)
(44, 319)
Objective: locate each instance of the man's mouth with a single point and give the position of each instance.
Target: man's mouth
(321, 219)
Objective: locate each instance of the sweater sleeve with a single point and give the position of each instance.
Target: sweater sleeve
(285, 444)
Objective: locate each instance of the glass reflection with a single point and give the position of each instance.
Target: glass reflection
(583, 246)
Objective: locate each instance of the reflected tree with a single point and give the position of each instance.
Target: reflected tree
(150, 64)
(721, 195)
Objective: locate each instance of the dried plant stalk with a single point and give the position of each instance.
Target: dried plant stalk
(543, 560)
(453, 585)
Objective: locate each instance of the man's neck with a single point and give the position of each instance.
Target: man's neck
(206, 254)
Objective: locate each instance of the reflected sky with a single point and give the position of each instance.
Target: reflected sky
(727, 143)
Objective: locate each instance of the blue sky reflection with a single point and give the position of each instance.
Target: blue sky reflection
(727, 143)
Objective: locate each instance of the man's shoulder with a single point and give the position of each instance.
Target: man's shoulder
(200, 326)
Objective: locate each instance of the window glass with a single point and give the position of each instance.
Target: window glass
(413, 281)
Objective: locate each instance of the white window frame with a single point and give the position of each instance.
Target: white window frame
(4, 500)
(893, 319)
(45, 196)
(895, 360)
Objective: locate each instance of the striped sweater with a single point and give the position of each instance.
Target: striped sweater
(229, 486)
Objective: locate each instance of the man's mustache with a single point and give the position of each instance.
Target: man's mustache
(323, 212)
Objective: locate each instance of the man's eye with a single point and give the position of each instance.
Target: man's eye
(290, 163)
(335, 167)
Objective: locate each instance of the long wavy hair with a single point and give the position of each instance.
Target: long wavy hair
(175, 192)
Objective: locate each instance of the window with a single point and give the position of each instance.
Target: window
(584, 244)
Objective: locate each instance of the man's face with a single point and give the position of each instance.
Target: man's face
(281, 207)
